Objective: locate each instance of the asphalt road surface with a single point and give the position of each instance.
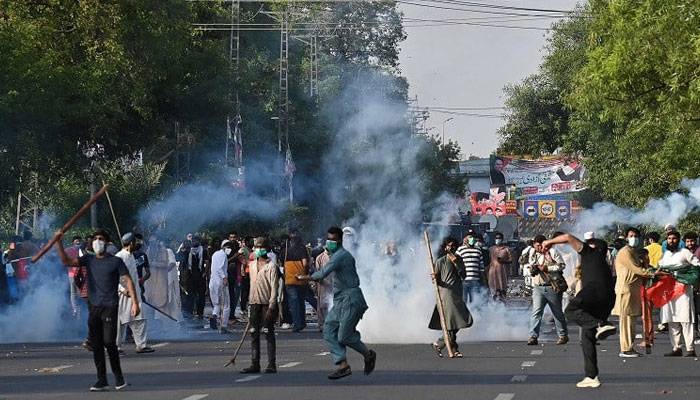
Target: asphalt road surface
(193, 370)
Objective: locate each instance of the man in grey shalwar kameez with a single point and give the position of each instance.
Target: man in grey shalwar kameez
(449, 272)
(340, 326)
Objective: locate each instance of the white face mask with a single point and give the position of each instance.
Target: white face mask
(227, 251)
(498, 241)
(98, 246)
(633, 241)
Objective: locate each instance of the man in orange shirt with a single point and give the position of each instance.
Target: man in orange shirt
(296, 262)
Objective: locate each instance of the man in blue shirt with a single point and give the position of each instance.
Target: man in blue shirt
(340, 327)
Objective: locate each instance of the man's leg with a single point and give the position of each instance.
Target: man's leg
(271, 343)
(538, 303)
(296, 304)
(138, 328)
(626, 338)
(330, 333)
(96, 337)
(590, 356)
(109, 325)
(201, 293)
(688, 336)
(226, 311)
(255, 319)
(453, 339)
(554, 300)
(674, 333)
(348, 334)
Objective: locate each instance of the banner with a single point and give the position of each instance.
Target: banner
(530, 209)
(537, 177)
(563, 209)
(547, 209)
(492, 203)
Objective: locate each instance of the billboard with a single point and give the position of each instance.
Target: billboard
(538, 177)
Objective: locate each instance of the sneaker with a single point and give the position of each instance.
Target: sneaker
(690, 353)
(121, 384)
(629, 354)
(604, 331)
(253, 369)
(370, 362)
(532, 341)
(212, 322)
(589, 383)
(286, 326)
(662, 328)
(87, 345)
(674, 353)
(563, 340)
(99, 386)
(340, 373)
(145, 350)
(271, 369)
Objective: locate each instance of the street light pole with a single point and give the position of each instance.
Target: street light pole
(443, 128)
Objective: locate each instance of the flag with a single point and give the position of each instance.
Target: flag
(238, 142)
(664, 290)
(289, 167)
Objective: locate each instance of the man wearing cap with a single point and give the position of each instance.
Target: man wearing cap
(668, 229)
(137, 322)
(218, 287)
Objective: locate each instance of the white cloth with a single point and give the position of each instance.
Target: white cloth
(218, 293)
(173, 306)
(681, 309)
(138, 329)
(676, 329)
(124, 300)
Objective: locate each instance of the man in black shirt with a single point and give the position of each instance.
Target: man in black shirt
(591, 306)
(104, 272)
(143, 268)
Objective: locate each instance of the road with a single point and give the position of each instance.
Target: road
(193, 370)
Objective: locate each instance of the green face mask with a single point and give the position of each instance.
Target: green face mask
(260, 253)
(331, 246)
(471, 241)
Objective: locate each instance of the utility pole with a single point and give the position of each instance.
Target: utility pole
(234, 152)
(27, 214)
(183, 147)
(443, 128)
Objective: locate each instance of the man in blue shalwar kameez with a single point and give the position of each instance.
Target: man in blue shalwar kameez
(340, 327)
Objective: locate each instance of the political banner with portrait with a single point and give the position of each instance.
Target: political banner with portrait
(538, 177)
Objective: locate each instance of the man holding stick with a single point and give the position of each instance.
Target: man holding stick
(104, 272)
(449, 272)
(340, 326)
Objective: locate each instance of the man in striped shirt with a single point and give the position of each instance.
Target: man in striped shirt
(474, 266)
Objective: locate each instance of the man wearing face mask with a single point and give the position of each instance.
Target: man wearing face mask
(631, 272)
(143, 267)
(194, 265)
(296, 262)
(218, 287)
(501, 256)
(104, 272)
(473, 265)
(137, 323)
(340, 327)
(263, 301)
(679, 313)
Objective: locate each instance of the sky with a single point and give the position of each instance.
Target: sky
(457, 65)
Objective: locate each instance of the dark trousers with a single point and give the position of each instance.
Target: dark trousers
(245, 293)
(285, 312)
(579, 314)
(452, 336)
(194, 300)
(259, 323)
(102, 333)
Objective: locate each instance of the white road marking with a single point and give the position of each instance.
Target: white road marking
(505, 396)
(528, 364)
(325, 353)
(536, 352)
(54, 369)
(155, 346)
(248, 378)
(518, 378)
(290, 364)
(196, 397)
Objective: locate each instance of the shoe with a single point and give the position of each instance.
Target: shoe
(340, 373)
(145, 350)
(674, 353)
(532, 341)
(253, 369)
(121, 384)
(120, 351)
(589, 383)
(370, 362)
(563, 340)
(662, 328)
(87, 345)
(629, 354)
(436, 347)
(690, 353)
(99, 386)
(604, 331)
(212, 322)
(286, 326)
(271, 369)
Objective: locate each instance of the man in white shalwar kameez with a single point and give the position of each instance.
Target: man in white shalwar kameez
(137, 323)
(679, 313)
(174, 305)
(218, 287)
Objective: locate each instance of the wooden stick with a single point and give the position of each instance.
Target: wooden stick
(240, 344)
(111, 209)
(70, 223)
(438, 297)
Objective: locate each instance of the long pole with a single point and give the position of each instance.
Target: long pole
(240, 344)
(70, 223)
(111, 209)
(438, 297)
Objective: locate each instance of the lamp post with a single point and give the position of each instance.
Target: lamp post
(443, 128)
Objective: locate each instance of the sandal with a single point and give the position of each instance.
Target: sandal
(436, 347)
(457, 354)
